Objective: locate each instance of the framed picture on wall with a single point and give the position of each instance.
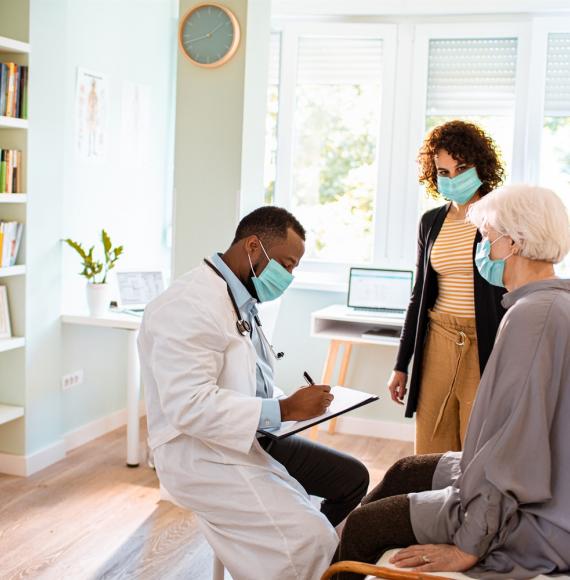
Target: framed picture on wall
(5, 329)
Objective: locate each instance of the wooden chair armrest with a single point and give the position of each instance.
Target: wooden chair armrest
(378, 571)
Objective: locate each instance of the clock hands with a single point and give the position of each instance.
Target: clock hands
(208, 35)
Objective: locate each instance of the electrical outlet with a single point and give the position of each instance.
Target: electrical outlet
(71, 380)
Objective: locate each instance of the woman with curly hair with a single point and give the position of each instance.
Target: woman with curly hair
(454, 314)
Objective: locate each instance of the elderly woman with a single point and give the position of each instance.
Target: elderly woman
(501, 508)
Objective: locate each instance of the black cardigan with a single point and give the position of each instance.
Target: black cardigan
(488, 309)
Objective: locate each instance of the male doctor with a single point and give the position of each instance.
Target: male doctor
(208, 377)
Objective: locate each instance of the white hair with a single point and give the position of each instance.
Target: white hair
(533, 217)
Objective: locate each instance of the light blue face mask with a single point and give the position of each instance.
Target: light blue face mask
(491, 270)
(273, 281)
(460, 188)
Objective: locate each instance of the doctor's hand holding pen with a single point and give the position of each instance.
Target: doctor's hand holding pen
(306, 402)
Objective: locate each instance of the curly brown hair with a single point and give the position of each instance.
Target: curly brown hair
(466, 143)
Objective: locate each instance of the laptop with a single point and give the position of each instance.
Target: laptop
(137, 289)
(379, 291)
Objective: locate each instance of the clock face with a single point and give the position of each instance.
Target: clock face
(209, 35)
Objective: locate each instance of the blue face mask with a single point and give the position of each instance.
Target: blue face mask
(460, 188)
(273, 281)
(491, 270)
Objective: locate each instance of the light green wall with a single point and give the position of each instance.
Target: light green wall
(47, 113)
(255, 104)
(207, 170)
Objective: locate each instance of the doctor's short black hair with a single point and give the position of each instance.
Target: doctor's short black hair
(268, 223)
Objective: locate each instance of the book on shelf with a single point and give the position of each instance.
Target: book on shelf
(5, 327)
(13, 90)
(10, 171)
(10, 239)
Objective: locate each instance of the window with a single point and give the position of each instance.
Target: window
(323, 160)
(473, 80)
(336, 124)
(348, 109)
(555, 154)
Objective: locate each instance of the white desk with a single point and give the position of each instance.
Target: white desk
(343, 327)
(130, 324)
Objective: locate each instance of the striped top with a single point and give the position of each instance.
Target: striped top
(452, 259)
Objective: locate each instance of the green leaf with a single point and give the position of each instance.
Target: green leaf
(76, 246)
(106, 241)
(91, 267)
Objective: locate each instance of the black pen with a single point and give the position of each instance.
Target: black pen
(308, 378)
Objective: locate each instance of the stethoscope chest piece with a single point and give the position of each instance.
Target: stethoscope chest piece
(243, 327)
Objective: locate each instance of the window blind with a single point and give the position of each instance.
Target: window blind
(274, 58)
(339, 61)
(469, 77)
(557, 97)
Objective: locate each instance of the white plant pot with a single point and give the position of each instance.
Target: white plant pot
(98, 299)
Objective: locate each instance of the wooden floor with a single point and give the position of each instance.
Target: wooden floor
(89, 516)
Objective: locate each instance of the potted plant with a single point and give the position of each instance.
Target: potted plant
(96, 272)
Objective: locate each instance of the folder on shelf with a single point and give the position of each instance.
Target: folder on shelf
(345, 400)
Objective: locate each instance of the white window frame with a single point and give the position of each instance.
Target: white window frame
(423, 34)
(541, 28)
(402, 124)
(332, 275)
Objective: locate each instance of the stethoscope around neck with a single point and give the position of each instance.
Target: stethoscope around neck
(243, 326)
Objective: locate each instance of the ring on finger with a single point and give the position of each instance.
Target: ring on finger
(426, 559)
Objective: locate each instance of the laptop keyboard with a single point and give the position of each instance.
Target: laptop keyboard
(377, 312)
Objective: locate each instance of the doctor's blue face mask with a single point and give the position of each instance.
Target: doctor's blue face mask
(460, 188)
(273, 281)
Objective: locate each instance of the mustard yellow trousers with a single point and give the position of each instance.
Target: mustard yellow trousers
(450, 378)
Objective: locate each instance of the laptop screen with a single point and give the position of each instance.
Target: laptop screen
(139, 288)
(379, 289)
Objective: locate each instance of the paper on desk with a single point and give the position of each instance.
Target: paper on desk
(345, 399)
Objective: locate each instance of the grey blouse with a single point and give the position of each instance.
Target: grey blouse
(506, 498)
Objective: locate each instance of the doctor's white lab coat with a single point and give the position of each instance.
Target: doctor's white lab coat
(199, 376)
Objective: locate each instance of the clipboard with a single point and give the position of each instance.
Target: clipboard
(345, 400)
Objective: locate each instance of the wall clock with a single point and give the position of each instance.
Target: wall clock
(209, 35)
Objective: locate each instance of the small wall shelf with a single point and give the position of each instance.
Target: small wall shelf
(13, 343)
(9, 413)
(13, 123)
(11, 45)
(12, 271)
(13, 198)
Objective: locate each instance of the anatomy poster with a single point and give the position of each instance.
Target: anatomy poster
(91, 114)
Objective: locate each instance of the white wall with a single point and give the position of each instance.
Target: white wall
(132, 41)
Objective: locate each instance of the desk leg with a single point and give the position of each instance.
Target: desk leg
(133, 395)
(327, 374)
(342, 376)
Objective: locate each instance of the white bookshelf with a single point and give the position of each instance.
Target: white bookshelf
(13, 206)
(13, 46)
(13, 343)
(12, 271)
(13, 198)
(13, 123)
(10, 412)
